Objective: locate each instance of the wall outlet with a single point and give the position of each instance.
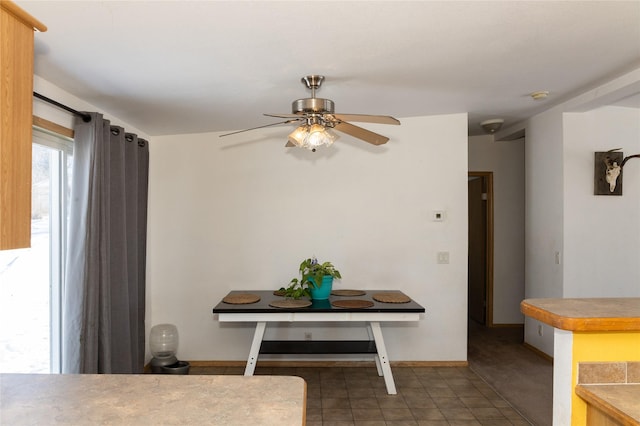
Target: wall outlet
(308, 336)
(558, 258)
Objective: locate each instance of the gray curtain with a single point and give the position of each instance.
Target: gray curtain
(104, 295)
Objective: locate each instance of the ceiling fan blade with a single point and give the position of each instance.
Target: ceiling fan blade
(364, 118)
(360, 133)
(260, 127)
(283, 115)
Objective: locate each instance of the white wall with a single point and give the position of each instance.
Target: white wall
(506, 161)
(601, 233)
(562, 214)
(59, 116)
(241, 213)
(543, 217)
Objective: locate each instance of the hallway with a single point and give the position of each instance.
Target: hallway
(521, 376)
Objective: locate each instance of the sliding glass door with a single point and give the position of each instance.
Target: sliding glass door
(31, 280)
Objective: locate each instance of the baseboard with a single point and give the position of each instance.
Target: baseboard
(506, 326)
(538, 352)
(274, 364)
(429, 363)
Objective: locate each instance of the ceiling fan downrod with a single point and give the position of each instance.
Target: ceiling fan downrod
(313, 82)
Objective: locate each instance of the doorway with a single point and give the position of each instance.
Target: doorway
(480, 266)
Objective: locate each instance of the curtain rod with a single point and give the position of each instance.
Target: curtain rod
(85, 117)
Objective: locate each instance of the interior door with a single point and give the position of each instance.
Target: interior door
(477, 273)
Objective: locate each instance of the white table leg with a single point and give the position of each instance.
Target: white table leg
(376, 358)
(255, 348)
(383, 359)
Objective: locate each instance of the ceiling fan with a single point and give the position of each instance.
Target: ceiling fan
(317, 118)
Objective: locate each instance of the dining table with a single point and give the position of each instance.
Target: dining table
(369, 307)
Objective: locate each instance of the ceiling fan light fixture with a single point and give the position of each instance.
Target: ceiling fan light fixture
(312, 136)
(298, 136)
(318, 136)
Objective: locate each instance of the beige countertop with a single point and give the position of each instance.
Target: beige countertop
(589, 314)
(622, 402)
(30, 399)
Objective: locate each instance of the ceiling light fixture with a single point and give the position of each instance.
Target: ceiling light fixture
(539, 95)
(317, 120)
(493, 125)
(312, 135)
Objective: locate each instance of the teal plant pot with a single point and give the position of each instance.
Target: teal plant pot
(324, 291)
(320, 304)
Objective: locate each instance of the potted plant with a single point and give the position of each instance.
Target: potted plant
(295, 290)
(316, 279)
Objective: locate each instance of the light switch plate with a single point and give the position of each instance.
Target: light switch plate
(443, 257)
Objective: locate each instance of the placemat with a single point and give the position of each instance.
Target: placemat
(241, 298)
(279, 293)
(352, 303)
(348, 292)
(391, 298)
(290, 303)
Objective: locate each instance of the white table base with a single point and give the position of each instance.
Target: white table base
(372, 319)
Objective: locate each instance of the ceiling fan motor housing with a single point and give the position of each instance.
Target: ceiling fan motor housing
(312, 105)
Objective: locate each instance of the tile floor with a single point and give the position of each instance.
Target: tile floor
(521, 375)
(426, 396)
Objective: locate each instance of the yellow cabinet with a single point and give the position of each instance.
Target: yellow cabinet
(16, 103)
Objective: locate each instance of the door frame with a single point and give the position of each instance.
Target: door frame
(487, 178)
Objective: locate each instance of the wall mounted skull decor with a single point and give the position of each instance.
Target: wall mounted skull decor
(608, 171)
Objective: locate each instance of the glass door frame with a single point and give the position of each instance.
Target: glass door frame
(61, 154)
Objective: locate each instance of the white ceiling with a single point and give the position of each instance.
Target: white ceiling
(173, 67)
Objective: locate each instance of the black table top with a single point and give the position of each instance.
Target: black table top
(267, 296)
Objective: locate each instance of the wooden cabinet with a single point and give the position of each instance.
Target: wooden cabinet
(16, 104)
(597, 417)
(613, 404)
